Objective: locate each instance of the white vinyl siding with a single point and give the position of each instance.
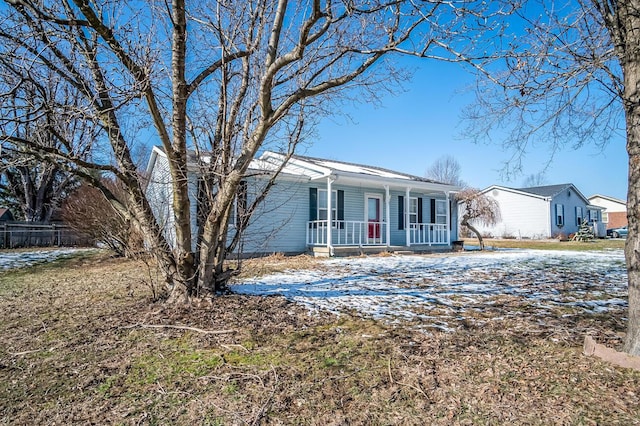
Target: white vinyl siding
(286, 208)
(522, 216)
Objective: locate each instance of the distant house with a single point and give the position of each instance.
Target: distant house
(327, 207)
(614, 214)
(541, 212)
(5, 215)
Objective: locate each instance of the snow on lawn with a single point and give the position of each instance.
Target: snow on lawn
(22, 259)
(441, 291)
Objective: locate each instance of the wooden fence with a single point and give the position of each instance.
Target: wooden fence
(29, 234)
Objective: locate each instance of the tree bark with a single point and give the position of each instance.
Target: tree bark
(627, 39)
(475, 231)
(632, 245)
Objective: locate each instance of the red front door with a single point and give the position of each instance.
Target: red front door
(373, 217)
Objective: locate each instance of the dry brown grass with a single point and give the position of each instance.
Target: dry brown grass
(551, 244)
(75, 351)
(276, 262)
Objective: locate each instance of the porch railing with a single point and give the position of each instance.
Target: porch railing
(428, 233)
(347, 233)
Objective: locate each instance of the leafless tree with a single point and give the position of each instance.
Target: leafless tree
(477, 209)
(446, 169)
(534, 179)
(33, 186)
(569, 75)
(223, 79)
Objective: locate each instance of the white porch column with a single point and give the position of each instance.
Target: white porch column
(448, 221)
(329, 224)
(407, 225)
(387, 203)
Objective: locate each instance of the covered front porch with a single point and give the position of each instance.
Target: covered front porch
(408, 220)
(374, 233)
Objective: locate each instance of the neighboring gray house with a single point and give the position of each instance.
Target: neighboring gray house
(371, 209)
(541, 212)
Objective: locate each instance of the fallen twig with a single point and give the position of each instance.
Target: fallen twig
(228, 347)
(267, 402)
(416, 388)
(180, 327)
(24, 352)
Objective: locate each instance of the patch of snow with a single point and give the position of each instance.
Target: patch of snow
(437, 291)
(23, 259)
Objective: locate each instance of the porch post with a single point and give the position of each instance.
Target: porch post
(448, 221)
(387, 215)
(407, 225)
(329, 224)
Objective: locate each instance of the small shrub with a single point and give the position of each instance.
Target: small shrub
(89, 213)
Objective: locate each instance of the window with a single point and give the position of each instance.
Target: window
(322, 204)
(413, 210)
(579, 216)
(559, 215)
(605, 217)
(441, 211)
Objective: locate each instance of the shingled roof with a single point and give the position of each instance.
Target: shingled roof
(362, 169)
(547, 190)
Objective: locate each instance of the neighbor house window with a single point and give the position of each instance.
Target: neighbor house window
(579, 216)
(413, 210)
(559, 215)
(441, 211)
(605, 217)
(322, 204)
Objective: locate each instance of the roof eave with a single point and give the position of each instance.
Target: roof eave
(395, 183)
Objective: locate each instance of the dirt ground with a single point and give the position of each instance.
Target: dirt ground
(82, 342)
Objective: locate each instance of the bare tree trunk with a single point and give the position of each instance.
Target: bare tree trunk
(475, 231)
(185, 257)
(628, 49)
(632, 246)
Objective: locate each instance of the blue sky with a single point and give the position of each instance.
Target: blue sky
(412, 129)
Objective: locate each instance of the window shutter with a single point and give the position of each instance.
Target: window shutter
(400, 212)
(419, 210)
(313, 203)
(433, 211)
(340, 208)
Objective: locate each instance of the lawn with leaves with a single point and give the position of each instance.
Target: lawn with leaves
(84, 343)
